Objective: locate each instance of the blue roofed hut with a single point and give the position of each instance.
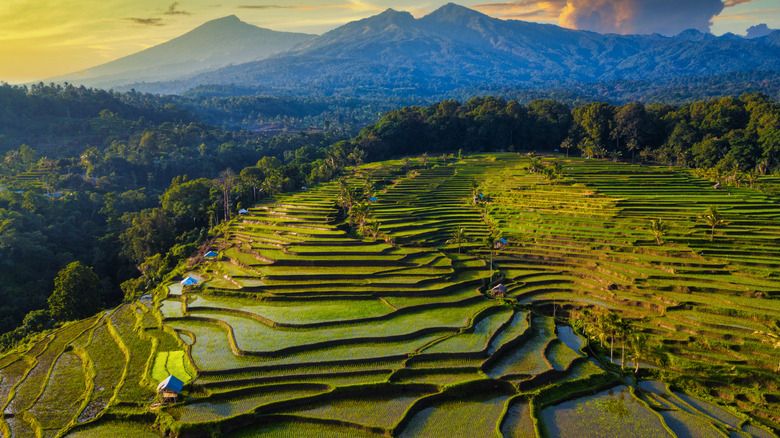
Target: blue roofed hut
(169, 389)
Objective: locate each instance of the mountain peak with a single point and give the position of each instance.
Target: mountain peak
(453, 12)
(693, 35)
(391, 14)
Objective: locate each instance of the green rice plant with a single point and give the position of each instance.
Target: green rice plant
(469, 418)
(529, 358)
(115, 429)
(30, 389)
(109, 362)
(685, 425)
(517, 422)
(62, 396)
(560, 356)
(137, 351)
(287, 312)
(251, 335)
(438, 377)
(710, 410)
(287, 426)
(516, 327)
(474, 341)
(382, 410)
(170, 363)
(172, 308)
(614, 412)
(217, 409)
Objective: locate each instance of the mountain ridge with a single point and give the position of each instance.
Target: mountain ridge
(216, 43)
(455, 47)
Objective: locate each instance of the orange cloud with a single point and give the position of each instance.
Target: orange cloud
(543, 10)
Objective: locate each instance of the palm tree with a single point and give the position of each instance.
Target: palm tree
(458, 236)
(637, 348)
(613, 321)
(359, 214)
(600, 328)
(713, 218)
(772, 338)
(373, 228)
(623, 327)
(658, 229)
(751, 176)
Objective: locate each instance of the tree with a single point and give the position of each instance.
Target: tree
(613, 323)
(713, 218)
(77, 293)
(225, 182)
(373, 228)
(623, 327)
(638, 349)
(567, 144)
(658, 229)
(458, 236)
(359, 214)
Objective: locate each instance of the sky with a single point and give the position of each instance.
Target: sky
(40, 39)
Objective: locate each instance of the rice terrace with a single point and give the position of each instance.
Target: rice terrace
(477, 296)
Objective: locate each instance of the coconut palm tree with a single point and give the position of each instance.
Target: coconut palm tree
(713, 218)
(458, 236)
(751, 176)
(638, 349)
(771, 337)
(373, 229)
(359, 214)
(613, 321)
(624, 329)
(658, 229)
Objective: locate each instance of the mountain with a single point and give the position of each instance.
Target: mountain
(214, 44)
(456, 48)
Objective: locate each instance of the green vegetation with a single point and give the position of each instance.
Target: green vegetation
(311, 320)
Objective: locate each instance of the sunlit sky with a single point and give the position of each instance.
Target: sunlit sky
(45, 38)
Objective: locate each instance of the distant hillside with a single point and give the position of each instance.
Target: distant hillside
(458, 48)
(215, 44)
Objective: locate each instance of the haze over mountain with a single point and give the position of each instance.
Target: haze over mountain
(214, 44)
(458, 48)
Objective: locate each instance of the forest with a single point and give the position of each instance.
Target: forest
(127, 185)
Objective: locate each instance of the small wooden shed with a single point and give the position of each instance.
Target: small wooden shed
(169, 389)
(498, 291)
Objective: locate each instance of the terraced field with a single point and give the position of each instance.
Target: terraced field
(300, 327)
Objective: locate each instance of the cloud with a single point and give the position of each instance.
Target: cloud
(312, 7)
(730, 3)
(172, 10)
(545, 10)
(667, 17)
(266, 7)
(759, 30)
(147, 21)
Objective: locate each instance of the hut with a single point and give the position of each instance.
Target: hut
(499, 291)
(211, 255)
(169, 389)
(189, 281)
(373, 199)
(243, 211)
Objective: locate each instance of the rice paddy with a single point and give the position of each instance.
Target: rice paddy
(305, 327)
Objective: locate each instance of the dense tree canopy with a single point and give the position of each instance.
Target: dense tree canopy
(77, 293)
(130, 184)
